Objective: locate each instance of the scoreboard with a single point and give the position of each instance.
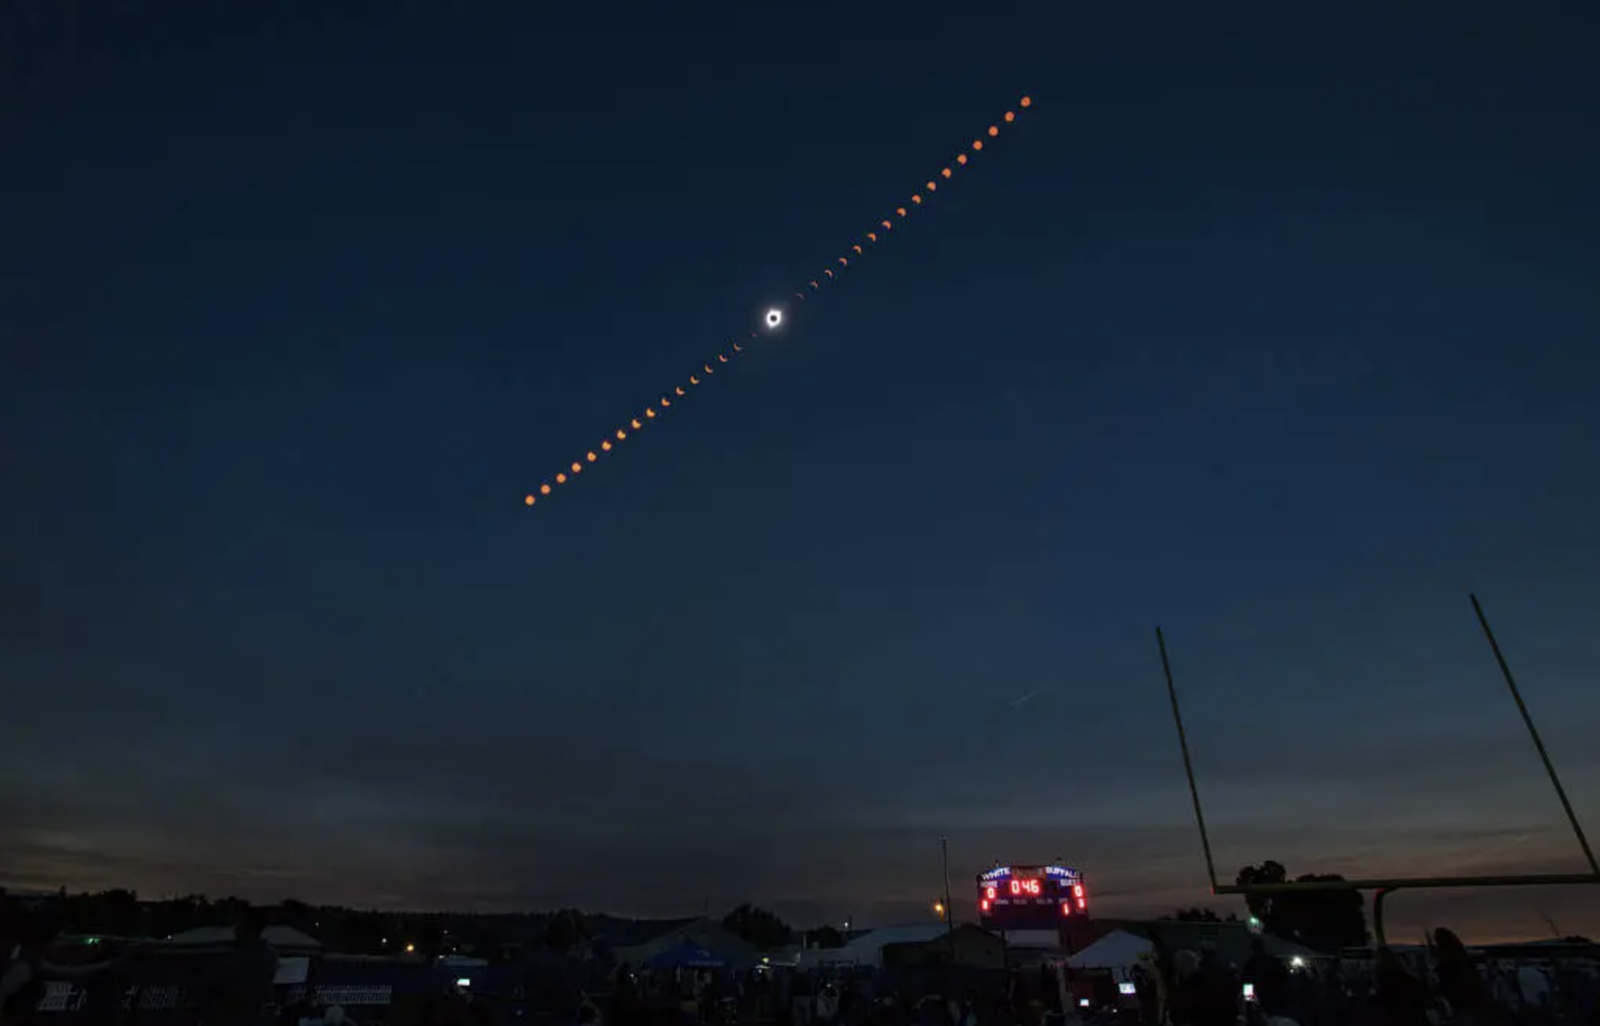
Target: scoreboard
(1030, 897)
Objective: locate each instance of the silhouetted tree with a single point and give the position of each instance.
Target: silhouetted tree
(1200, 915)
(825, 937)
(758, 926)
(1325, 920)
(1269, 872)
(298, 915)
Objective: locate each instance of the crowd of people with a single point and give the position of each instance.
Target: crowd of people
(561, 983)
(1182, 987)
(1447, 985)
(230, 989)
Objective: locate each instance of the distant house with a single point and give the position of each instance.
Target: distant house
(286, 940)
(893, 946)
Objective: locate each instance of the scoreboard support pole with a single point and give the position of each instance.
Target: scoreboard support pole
(949, 909)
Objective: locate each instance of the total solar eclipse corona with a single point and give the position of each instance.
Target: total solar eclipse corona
(857, 249)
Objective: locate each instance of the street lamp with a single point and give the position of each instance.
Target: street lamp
(939, 909)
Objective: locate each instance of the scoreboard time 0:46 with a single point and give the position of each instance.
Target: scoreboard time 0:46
(1030, 897)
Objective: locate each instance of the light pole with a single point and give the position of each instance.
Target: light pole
(949, 915)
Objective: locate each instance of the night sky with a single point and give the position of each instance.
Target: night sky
(1274, 328)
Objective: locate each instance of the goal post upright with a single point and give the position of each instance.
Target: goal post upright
(1533, 734)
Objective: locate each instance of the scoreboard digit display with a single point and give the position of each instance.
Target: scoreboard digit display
(1030, 897)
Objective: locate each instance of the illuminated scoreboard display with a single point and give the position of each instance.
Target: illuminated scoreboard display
(1030, 897)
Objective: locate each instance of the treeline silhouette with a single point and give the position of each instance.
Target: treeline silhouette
(121, 913)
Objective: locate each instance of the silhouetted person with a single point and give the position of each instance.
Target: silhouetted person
(1459, 982)
(26, 939)
(626, 1005)
(1165, 978)
(1401, 998)
(106, 985)
(23, 978)
(1270, 979)
(1211, 993)
(238, 986)
(554, 987)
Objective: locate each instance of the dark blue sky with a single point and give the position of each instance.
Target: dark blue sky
(1275, 328)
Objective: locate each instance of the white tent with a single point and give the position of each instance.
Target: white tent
(1119, 949)
(284, 938)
